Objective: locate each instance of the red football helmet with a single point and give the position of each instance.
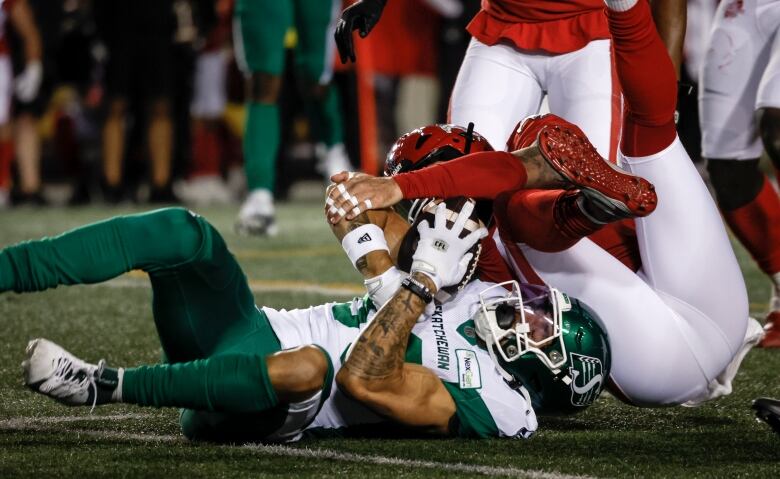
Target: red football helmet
(430, 144)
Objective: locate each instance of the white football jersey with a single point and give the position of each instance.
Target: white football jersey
(444, 342)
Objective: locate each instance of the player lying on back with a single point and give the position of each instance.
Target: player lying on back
(241, 372)
(676, 312)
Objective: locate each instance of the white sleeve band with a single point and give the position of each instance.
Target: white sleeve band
(363, 240)
(383, 287)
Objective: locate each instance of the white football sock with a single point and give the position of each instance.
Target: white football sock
(116, 396)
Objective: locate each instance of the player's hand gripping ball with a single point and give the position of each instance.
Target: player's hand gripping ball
(456, 261)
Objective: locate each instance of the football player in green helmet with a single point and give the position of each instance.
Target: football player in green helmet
(553, 345)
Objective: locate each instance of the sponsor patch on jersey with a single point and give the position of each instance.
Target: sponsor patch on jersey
(587, 378)
(468, 369)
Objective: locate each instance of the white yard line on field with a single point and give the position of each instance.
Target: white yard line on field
(43, 424)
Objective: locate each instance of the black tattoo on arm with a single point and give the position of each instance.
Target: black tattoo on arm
(379, 352)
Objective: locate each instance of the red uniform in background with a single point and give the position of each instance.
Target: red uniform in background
(405, 41)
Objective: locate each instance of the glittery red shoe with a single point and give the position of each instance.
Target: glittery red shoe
(615, 192)
(771, 331)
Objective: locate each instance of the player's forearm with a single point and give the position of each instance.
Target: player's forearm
(670, 18)
(378, 354)
(482, 175)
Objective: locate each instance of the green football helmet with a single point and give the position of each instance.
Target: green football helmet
(552, 345)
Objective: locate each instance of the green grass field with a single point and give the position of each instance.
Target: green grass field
(302, 266)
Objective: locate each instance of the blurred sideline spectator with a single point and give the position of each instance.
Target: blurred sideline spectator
(138, 35)
(205, 184)
(402, 53)
(18, 14)
(123, 79)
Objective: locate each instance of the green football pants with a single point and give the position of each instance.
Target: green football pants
(260, 27)
(213, 336)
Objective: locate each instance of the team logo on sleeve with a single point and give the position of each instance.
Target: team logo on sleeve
(468, 369)
(587, 379)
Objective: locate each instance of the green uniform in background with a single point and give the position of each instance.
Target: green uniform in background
(259, 32)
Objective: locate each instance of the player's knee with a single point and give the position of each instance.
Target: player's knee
(178, 228)
(263, 87)
(298, 374)
(769, 127)
(736, 182)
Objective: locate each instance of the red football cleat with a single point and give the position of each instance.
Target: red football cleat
(772, 331)
(606, 186)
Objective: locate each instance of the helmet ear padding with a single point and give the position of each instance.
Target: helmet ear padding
(505, 315)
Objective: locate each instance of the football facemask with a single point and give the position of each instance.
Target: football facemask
(554, 346)
(526, 319)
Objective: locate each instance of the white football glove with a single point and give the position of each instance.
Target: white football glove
(441, 254)
(29, 81)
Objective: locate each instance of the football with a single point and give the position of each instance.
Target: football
(454, 206)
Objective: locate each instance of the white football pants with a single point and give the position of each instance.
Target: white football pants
(677, 323)
(499, 85)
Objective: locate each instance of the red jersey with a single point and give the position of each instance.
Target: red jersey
(541, 25)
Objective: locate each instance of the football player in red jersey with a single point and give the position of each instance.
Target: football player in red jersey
(524, 50)
(674, 340)
(739, 105)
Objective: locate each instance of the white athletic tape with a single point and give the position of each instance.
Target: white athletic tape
(368, 204)
(332, 210)
(381, 288)
(342, 189)
(341, 212)
(363, 240)
(350, 175)
(355, 211)
(329, 201)
(354, 200)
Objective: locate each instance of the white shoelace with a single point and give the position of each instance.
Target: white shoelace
(69, 374)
